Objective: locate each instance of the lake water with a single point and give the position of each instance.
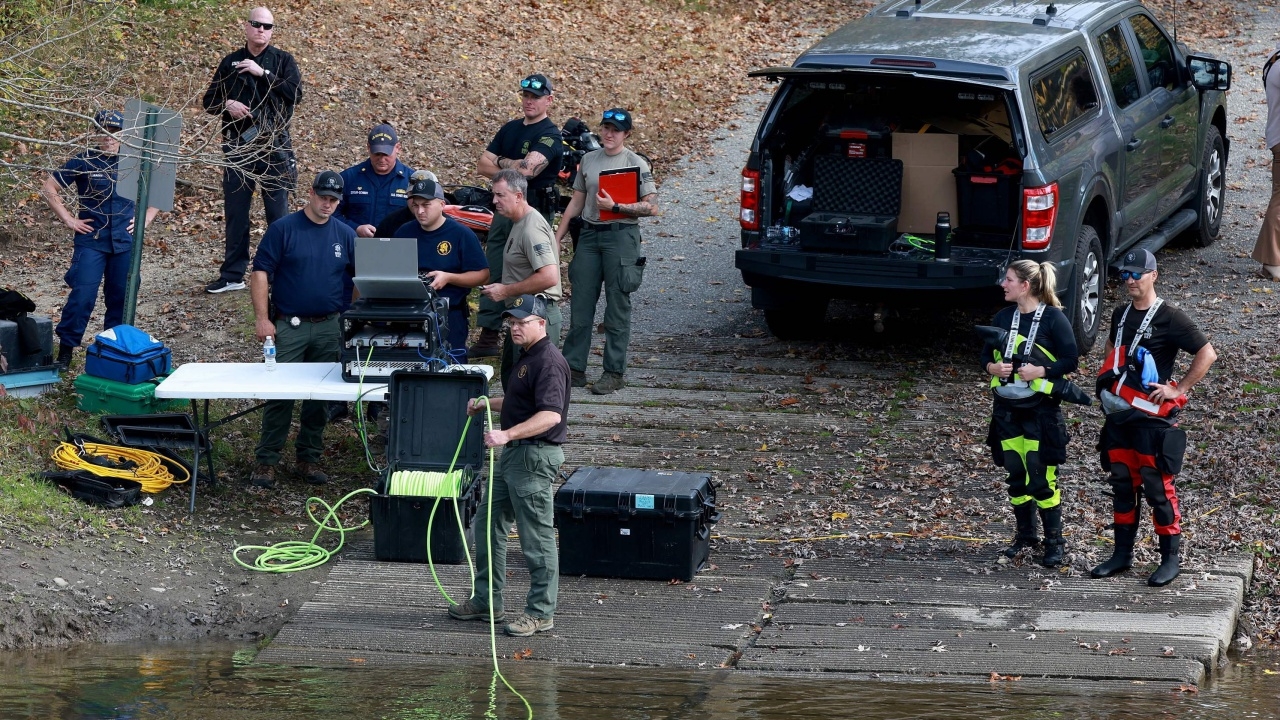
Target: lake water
(221, 681)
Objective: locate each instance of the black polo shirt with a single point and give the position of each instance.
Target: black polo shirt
(539, 381)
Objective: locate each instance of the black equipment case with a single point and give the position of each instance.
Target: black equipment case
(428, 411)
(382, 336)
(630, 523)
(856, 202)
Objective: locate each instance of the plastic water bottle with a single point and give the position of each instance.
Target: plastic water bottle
(269, 353)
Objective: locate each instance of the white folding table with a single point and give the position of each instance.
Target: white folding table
(253, 381)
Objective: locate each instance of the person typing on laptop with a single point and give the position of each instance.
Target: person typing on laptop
(450, 258)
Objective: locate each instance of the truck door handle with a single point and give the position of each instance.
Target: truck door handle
(1132, 144)
(1167, 121)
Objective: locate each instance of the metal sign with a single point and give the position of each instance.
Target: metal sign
(149, 145)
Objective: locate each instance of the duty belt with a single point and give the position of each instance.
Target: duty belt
(531, 441)
(607, 227)
(304, 318)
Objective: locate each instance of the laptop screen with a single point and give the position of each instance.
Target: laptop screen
(387, 268)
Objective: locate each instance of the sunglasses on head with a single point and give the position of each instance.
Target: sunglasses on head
(615, 115)
(1132, 275)
(261, 25)
(532, 84)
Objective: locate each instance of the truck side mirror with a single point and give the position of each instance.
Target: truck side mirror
(1209, 73)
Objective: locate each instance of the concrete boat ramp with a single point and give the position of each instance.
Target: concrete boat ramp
(823, 562)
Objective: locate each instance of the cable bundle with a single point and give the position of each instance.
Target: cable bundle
(115, 461)
(422, 483)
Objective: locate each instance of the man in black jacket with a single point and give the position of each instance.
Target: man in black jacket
(254, 89)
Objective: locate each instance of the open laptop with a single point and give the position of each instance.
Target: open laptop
(387, 269)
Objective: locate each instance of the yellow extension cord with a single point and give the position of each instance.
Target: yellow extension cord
(149, 470)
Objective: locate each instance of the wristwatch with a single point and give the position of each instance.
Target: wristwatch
(266, 73)
(617, 208)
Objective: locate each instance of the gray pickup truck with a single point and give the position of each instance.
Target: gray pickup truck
(922, 148)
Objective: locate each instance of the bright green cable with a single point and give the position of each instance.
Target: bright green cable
(461, 530)
(294, 555)
(488, 538)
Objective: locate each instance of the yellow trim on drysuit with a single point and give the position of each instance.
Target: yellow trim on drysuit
(1021, 445)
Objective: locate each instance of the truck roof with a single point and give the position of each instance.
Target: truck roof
(960, 33)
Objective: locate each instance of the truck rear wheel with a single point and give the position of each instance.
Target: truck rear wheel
(1088, 279)
(797, 319)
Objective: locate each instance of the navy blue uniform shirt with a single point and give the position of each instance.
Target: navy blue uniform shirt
(308, 262)
(368, 197)
(93, 172)
(452, 247)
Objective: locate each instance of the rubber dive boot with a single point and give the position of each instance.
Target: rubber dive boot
(1054, 544)
(1025, 535)
(1169, 561)
(1122, 556)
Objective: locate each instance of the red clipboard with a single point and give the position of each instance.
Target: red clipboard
(623, 185)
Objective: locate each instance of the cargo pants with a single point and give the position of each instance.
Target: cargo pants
(609, 255)
(309, 342)
(521, 491)
(91, 267)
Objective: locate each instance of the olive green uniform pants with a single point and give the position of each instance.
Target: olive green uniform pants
(309, 342)
(610, 255)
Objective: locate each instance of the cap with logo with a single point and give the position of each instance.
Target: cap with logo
(329, 184)
(108, 119)
(426, 188)
(537, 83)
(618, 118)
(383, 139)
(526, 305)
(1140, 261)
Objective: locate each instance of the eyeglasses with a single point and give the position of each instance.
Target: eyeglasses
(261, 25)
(1132, 275)
(532, 84)
(510, 323)
(615, 115)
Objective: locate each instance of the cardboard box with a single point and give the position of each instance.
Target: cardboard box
(928, 187)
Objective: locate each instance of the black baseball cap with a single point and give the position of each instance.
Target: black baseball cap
(538, 84)
(1140, 261)
(618, 118)
(329, 184)
(426, 188)
(526, 305)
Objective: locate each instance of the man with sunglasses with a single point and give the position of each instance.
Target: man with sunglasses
(531, 146)
(1141, 444)
(254, 90)
(608, 250)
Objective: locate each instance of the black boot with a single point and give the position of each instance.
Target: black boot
(64, 357)
(1122, 556)
(1025, 535)
(1169, 561)
(1054, 544)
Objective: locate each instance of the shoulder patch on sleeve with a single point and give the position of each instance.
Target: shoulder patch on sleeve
(542, 249)
(547, 140)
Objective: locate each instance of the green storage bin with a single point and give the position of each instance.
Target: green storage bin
(102, 395)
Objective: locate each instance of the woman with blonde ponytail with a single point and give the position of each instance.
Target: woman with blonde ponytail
(1028, 436)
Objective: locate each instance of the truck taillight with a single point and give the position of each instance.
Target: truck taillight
(1039, 213)
(749, 216)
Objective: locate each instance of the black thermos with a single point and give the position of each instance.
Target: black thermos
(942, 238)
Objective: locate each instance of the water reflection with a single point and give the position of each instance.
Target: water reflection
(127, 683)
